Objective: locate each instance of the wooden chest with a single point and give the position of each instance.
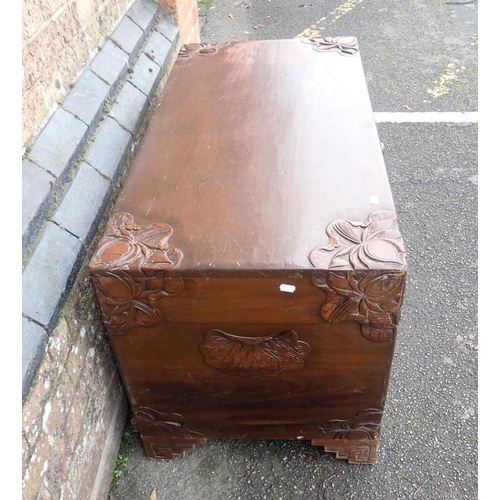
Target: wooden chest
(252, 273)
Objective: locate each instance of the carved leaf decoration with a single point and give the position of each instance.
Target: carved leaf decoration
(125, 245)
(148, 422)
(267, 356)
(370, 244)
(366, 425)
(203, 49)
(346, 46)
(374, 297)
(128, 301)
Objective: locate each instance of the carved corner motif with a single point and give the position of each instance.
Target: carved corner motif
(203, 49)
(126, 245)
(363, 274)
(131, 272)
(152, 422)
(252, 357)
(372, 299)
(365, 425)
(374, 243)
(355, 439)
(164, 435)
(130, 300)
(345, 46)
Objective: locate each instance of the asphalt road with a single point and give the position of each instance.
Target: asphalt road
(418, 55)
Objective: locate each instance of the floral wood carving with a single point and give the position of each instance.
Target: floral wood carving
(130, 300)
(203, 49)
(126, 245)
(366, 425)
(373, 299)
(132, 271)
(252, 357)
(345, 46)
(151, 422)
(374, 243)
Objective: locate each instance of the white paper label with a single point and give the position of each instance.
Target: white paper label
(287, 288)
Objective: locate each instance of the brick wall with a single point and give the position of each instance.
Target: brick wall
(74, 405)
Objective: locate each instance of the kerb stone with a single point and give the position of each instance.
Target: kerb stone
(110, 64)
(110, 149)
(86, 99)
(159, 49)
(34, 341)
(130, 107)
(49, 274)
(142, 15)
(128, 36)
(59, 143)
(81, 210)
(37, 198)
(145, 74)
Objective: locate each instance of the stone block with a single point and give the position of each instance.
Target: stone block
(142, 13)
(37, 198)
(49, 274)
(59, 144)
(34, 341)
(84, 203)
(159, 49)
(86, 99)
(130, 107)
(168, 29)
(145, 75)
(110, 148)
(128, 36)
(110, 64)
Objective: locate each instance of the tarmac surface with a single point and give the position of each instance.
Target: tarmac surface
(418, 56)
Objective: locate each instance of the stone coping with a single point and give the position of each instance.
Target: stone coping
(71, 170)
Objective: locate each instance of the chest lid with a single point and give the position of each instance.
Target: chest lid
(253, 150)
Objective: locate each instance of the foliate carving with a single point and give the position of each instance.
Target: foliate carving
(365, 425)
(374, 243)
(203, 49)
(130, 300)
(131, 272)
(164, 435)
(252, 357)
(371, 298)
(346, 46)
(151, 422)
(126, 245)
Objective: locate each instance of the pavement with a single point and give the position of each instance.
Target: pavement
(418, 56)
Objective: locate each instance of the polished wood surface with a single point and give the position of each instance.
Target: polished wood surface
(254, 150)
(252, 273)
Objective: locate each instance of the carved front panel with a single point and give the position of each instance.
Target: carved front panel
(267, 356)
